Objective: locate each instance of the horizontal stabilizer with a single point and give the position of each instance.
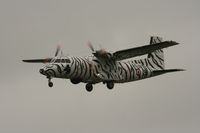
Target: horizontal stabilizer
(159, 72)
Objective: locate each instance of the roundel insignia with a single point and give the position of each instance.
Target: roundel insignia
(138, 72)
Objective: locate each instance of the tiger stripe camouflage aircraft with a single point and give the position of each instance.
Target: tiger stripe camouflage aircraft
(108, 68)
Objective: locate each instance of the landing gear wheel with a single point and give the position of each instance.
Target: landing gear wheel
(50, 84)
(110, 85)
(89, 87)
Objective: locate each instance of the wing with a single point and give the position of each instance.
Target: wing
(47, 60)
(138, 51)
(44, 60)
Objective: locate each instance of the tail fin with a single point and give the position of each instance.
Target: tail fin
(156, 58)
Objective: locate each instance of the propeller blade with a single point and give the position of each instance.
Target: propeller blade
(101, 48)
(57, 50)
(90, 46)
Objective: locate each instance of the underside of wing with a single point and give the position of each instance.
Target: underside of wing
(138, 51)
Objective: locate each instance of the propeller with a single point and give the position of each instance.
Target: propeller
(57, 50)
(91, 47)
(102, 53)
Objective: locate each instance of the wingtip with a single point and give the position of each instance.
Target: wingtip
(182, 69)
(27, 61)
(179, 69)
(174, 42)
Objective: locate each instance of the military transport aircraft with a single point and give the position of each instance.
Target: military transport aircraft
(106, 67)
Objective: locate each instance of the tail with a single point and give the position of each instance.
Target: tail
(156, 58)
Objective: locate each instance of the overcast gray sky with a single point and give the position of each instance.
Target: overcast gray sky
(33, 28)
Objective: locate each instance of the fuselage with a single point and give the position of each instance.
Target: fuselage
(92, 70)
(107, 67)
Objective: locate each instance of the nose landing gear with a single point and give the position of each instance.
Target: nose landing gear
(49, 82)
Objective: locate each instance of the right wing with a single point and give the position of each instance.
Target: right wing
(138, 51)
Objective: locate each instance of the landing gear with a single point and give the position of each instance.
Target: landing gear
(49, 82)
(110, 85)
(89, 87)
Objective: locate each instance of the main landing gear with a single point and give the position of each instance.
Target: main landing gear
(49, 82)
(110, 85)
(89, 87)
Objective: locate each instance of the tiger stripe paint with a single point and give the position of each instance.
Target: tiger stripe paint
(94, 70)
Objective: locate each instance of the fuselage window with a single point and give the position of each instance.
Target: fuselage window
(67, 60)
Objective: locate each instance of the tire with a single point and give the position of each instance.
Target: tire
(110, 85)
(89, 87)
(50, 84)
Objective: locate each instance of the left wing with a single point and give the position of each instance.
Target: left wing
(44, 60)
(138, 51)
(47, 60)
